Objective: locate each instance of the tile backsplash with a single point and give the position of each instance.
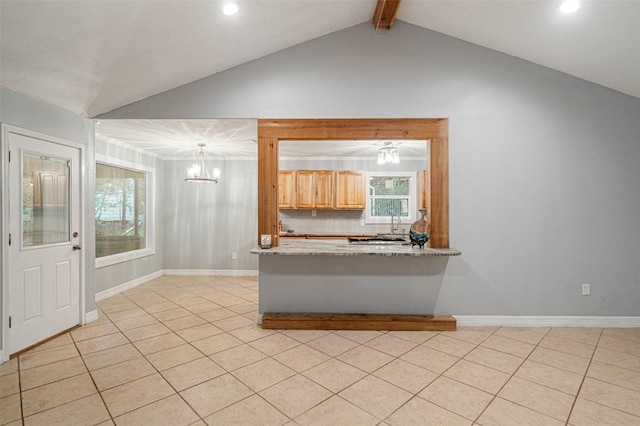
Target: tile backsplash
(333, 222)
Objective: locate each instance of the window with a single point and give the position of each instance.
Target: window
(123, 212)
(391, 193)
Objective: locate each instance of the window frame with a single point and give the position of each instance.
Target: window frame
(413, 179)
(150, 231)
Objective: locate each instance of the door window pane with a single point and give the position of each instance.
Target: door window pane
(121, 196)
(45, 200)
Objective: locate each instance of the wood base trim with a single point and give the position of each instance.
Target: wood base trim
(329, 321)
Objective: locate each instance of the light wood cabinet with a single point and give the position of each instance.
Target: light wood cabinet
(350, 190)
(314, 189)
(324, 189)
(305, 189)
(321, 189)
(424, 191)
(287, 189)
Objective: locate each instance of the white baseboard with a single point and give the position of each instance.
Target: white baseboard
(2, 357)
(214, 272)
(128, 285)
(134, 283)
(91, 316)
(547, 321)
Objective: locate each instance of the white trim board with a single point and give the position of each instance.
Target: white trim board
(127, 286)
(214, 272)
(548, 321)
(184, 272)
(90, 316)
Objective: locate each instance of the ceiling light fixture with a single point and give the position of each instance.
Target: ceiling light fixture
(198, 173)
(230, 9)
(569, 6)
(388, 154)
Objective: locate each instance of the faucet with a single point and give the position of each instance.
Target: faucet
(395, 227)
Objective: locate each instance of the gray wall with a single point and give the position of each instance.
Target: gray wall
(31, 114)
(113, 275)
(544, 169)
(205, 223)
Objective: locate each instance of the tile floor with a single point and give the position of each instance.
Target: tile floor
(186, 351)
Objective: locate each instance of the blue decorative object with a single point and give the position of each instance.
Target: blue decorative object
(419, 231)
(418, 238)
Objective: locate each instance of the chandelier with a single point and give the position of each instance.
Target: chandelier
(198, 173)
(388, 154)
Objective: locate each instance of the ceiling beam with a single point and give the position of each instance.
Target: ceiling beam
(385, 14)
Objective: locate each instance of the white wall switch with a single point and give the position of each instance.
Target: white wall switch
(234, 255)
(586, 289)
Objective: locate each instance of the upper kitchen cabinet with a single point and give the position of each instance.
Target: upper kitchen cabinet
(314, 189)
(350, 190)
(321, 189)
(287, 189)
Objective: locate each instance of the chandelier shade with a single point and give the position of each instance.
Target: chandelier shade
(198, 173)
(388, 154)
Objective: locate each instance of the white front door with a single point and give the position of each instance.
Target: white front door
(44, 250)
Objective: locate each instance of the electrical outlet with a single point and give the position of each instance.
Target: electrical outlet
(313, 213)
(234, 255)
(586, 289)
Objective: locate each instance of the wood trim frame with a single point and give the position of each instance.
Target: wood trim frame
(436, 130)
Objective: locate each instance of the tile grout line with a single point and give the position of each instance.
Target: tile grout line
(91, 376)
(510, 377)
(142, 355)
(415, 394)
(158, 371)
(455, 363)
(440, 375)
(514, 375)
(204, 356)
(20, 391)
(584, 376)
(166, 294)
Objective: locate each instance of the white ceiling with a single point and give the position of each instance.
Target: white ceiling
(94, 56)
(174, 139)
(180, 138)
(361, 148)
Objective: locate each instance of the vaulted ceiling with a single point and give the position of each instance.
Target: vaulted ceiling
(94, 56)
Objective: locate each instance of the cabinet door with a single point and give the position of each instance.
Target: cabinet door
(306, 191)
(324, 189)
(350, 189)
(287, 189)
(424, 201)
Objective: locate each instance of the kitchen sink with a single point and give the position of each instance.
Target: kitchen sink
(383, 239)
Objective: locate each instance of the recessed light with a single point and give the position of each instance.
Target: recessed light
(230, 9)
(569, 6)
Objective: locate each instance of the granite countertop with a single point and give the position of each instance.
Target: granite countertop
(323, 234)
(343, 248)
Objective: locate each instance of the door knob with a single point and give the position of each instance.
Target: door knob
(77, 247)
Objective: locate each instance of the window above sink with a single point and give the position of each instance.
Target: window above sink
(391, 193)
